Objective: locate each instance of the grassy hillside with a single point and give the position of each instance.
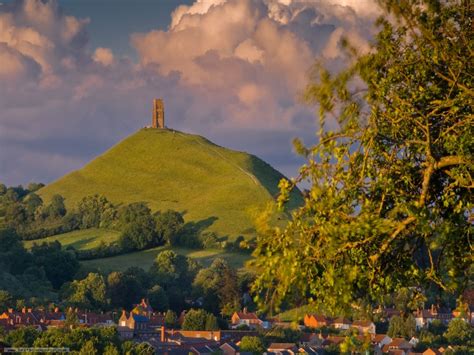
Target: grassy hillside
(145, 258)
(219, 189)
(81, 239)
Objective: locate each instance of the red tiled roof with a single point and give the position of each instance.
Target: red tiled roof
(243, 315)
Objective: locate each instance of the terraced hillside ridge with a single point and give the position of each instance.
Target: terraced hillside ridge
(219, 189)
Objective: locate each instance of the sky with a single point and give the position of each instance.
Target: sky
(77, 76)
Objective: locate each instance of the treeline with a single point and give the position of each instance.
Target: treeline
(87, 341)
(24, 210)
(34, 274)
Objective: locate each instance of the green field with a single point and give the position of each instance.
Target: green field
(218, 189)
(145, 258)
(81, 239)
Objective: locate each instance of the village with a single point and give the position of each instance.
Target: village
(318, 332)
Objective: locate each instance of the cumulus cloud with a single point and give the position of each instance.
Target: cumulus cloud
(228, 69)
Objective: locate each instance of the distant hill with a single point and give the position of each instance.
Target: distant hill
(219, 189)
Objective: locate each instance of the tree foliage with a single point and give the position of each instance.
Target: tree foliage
(390, 198)
(252, 345)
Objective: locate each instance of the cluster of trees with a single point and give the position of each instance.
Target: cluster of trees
(174, 282)
(24, 211)
(33, 274)
(84, 341)
(459, 334)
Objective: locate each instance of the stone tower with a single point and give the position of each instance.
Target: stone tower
(158, 114)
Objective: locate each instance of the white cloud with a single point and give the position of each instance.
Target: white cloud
(104, 56)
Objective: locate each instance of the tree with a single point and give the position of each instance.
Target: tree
(390, 186)
(211, 322)
(16, 215)
(252, 345)
(459, 332)
(195, 319)
(6, 300)
(22, 337)
(158, 298)
(96, 211)
(13, 256)
(88, 348)
(56, 208)
(171, 269)
(111, 350)
(218, 285)
(169, 225)
(88, 293)
(32, 202)
(404, 327)
(59, 265)
(171, 320)
(123, 289)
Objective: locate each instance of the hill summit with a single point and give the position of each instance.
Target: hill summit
(219, 189)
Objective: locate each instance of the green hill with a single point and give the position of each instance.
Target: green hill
(219, 189)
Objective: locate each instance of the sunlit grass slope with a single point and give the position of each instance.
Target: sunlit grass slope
(80, 239)
(218, 188)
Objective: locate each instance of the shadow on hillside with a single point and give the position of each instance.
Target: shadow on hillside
(196, 228)
(79, 244)
(269, 179)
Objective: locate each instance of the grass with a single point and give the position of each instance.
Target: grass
(219, 189)
(145, 258)
(81, 239)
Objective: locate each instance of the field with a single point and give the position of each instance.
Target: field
(215, 188)
(145, 258)
(81, 239)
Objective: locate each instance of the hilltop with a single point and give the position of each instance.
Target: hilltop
(219, 189)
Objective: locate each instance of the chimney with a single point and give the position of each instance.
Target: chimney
(163, 334)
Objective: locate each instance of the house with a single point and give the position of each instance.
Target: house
(424, 317)
(143, 308)
(341, 323)
(310, 339)
(246, 318)
(467, 313)
(95, 319)
(380, 340)
(229, 349)
(132, 325)
(315, 321)
(24, 318)
(203, 350)
(311, 350)
(287, 348)
(364, 326)
(399, 345)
